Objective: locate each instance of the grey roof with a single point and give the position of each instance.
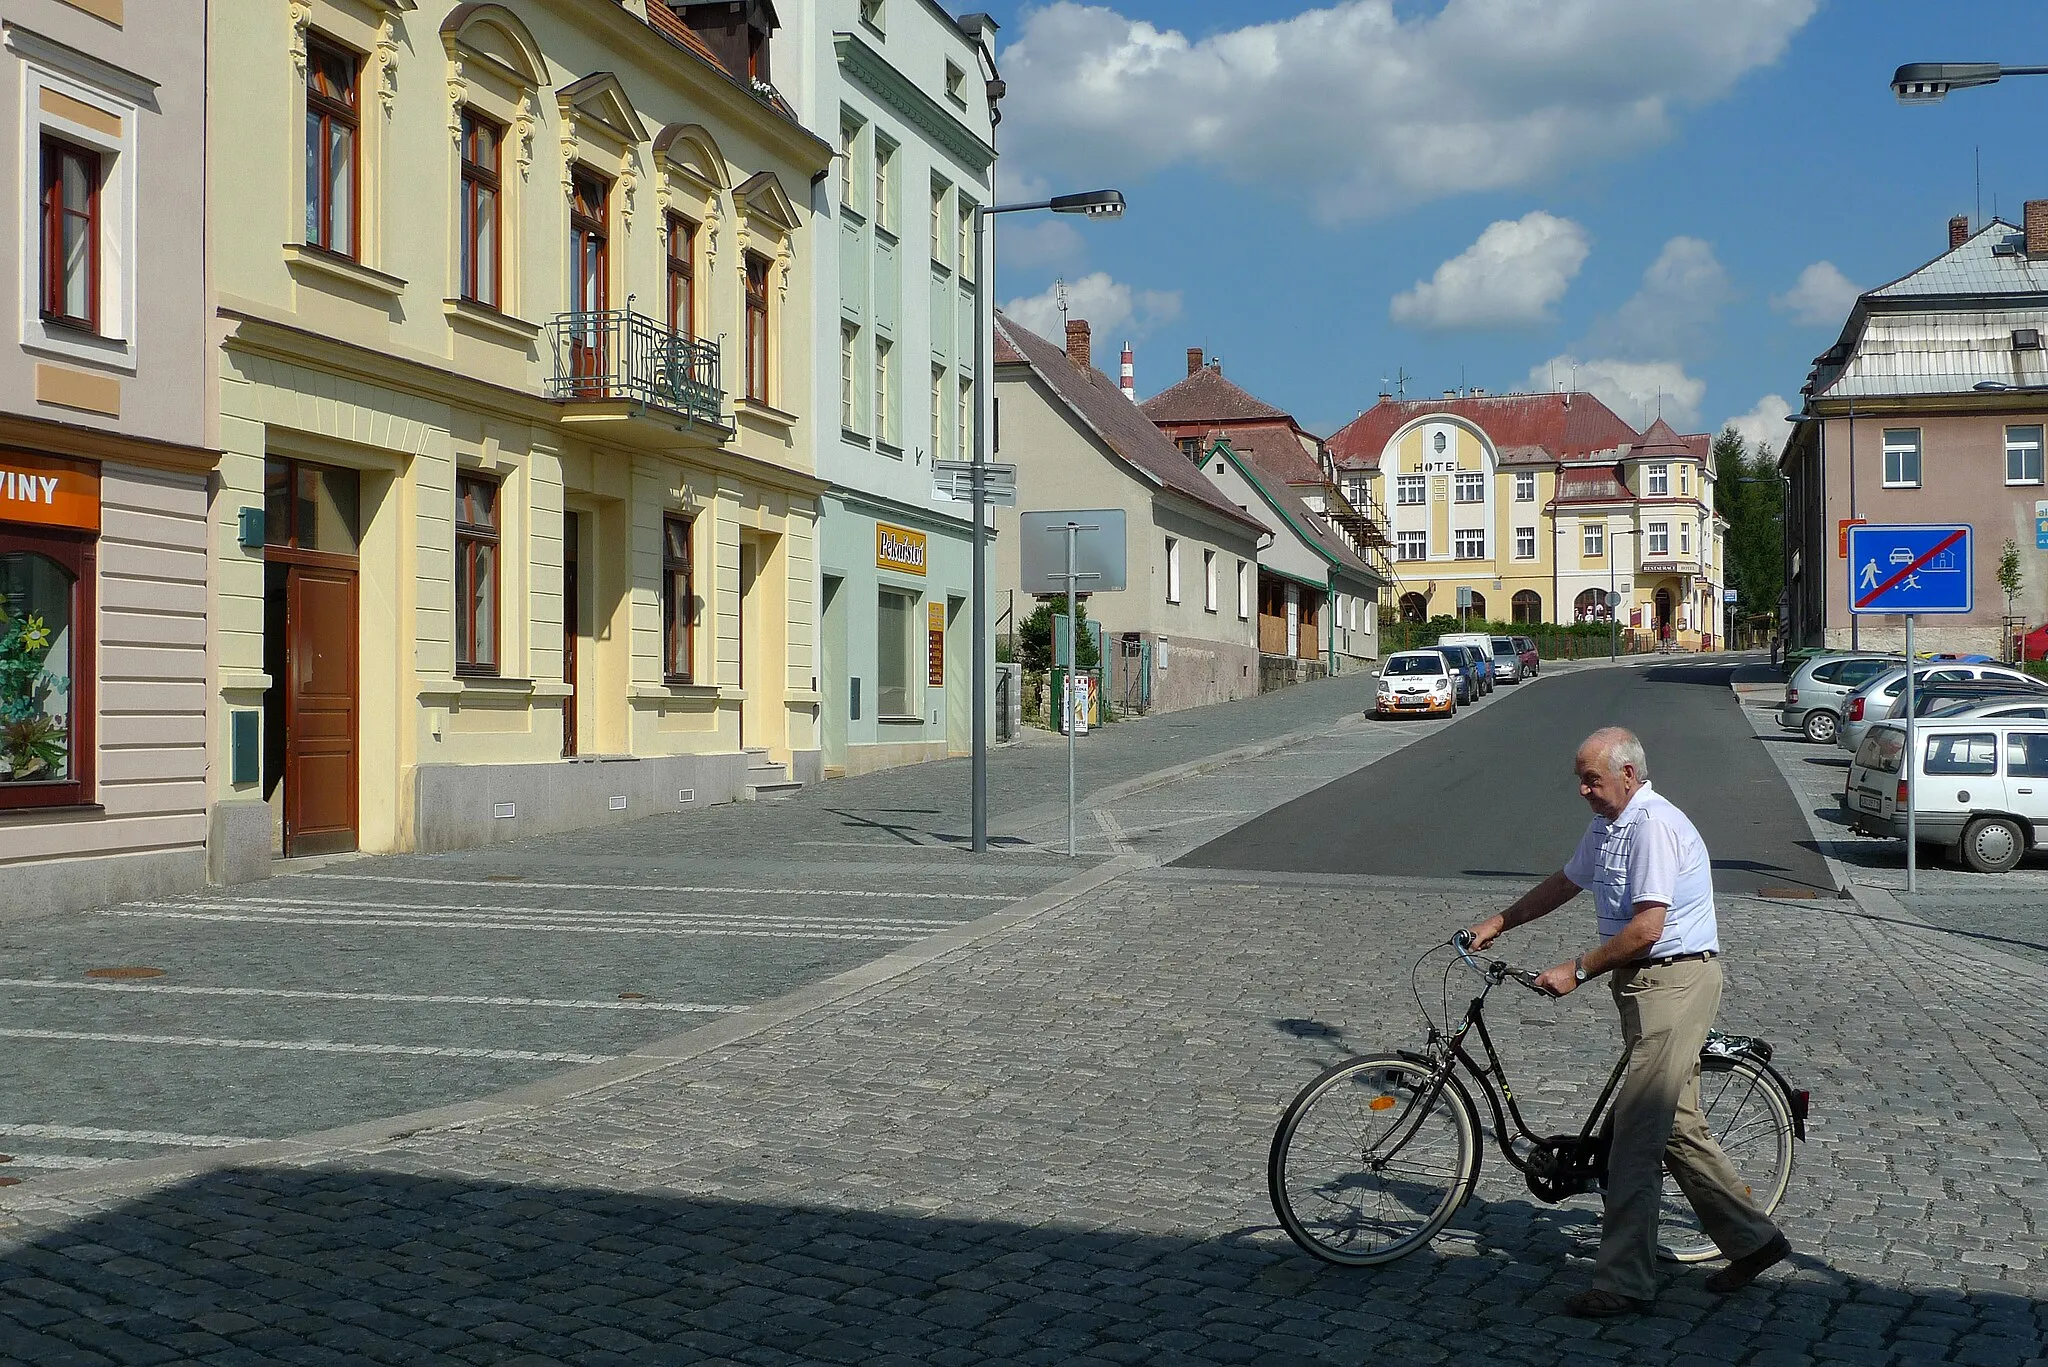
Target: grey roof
(1977, 267)
(1926, 353)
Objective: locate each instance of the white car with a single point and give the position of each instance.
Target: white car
(1416, 682)
(1979, 786)
(1873, 701)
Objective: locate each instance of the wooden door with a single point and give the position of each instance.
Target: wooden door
(320, 703)
(572, 599)
(589, 282)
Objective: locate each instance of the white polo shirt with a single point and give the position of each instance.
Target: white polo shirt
(1650, 853)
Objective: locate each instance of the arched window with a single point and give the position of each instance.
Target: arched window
(1590, 606)
(1477, 612)
(1526, 607)
(1414, 607)
(46, 711)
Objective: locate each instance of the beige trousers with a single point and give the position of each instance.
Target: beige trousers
(1665, 1015)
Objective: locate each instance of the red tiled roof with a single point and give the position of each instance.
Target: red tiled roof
(1564, 426)
(1591, 484)
(670, 25)
(1276, 449)
(1206, 396)
(1094, 398)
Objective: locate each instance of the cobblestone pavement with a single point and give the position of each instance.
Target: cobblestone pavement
(375, 987)
(2006, 910)
(1046, 1146)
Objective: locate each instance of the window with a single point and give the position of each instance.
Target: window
(1191, 447)
(1685, 480)
(1901, 457)
(589, 243)
(1469, 543)
(871, 14)
(1526, 607)
(481, 140)
(964, 224)
(46, 675)
(1525, 543)
(894, 641)
(956, 85)
(2022, 455)
(849, 349)
(964, 439)
(757, 327)
(1411, 545)
(1659, 482)
(682, 276)
(1967, 754)
(1591, 606)
(1411, 491)
(1209, 581)
(849, 162)
(1525, 486)
(1172, 569)
(938, 412)
(885, 426)
(476, 575)
(1660, 539)
(678, 601)
(1470, 486)
(1596, 539)
(941, 194)
(332, 172)
(2026, 753)
(885, 164)
(71, 235)
(1685, 538)
(311, 507)
(1244, 592)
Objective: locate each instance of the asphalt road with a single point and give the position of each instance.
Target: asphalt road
(1492, 796)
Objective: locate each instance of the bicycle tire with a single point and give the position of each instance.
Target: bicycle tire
(1751, 1119)
(1322, 1176)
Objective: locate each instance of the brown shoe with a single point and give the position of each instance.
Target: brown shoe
(1601, 1304)
(1742, 1271)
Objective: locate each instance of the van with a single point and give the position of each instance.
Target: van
(1480, 643)
(1979, 787)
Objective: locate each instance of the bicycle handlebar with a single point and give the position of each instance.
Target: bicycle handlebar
(1497, 971)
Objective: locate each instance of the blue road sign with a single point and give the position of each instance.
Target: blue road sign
(2041, 524)
(1910, 569)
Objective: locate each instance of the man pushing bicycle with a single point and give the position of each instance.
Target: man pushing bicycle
(1652, 880)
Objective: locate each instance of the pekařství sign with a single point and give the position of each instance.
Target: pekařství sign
(1902, 569)
(899, 548)
(44, 491)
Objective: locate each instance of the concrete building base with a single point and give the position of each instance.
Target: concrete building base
(807, 766)
(867, 759)
(56, 885)
(238, 840)
(459, 806)
(1284, 671)
(1931, 636)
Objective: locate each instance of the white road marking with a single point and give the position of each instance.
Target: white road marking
(49, 1162)
(415, 923)
(643, 887)
(779, 920)
(95, 1134)
(308, 1046)
(305, 994)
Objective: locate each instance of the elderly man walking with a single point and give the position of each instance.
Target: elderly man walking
(1650, 875)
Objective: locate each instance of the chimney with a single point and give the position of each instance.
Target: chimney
(2035, 222)
(1958, 231)
(1127, 376)
(1194, 359)
(1077, 342)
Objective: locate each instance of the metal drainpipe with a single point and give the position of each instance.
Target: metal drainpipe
(1330, 602)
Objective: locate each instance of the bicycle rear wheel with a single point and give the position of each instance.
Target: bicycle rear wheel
(1750, 1119)
(1367, 1165)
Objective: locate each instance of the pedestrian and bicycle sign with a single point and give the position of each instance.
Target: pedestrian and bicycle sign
(1901, 570)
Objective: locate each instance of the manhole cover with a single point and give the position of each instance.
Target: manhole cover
(130, 971)
(1788, 894)
(632, 996)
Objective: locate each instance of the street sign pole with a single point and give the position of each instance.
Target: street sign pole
(1912, 779)
(1073, 668)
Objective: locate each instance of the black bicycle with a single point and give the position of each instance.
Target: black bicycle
(1376, 1155)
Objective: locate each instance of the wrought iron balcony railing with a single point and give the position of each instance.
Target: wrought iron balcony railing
(620, 354)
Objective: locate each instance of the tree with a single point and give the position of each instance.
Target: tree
(1750, 495)
(1034, 635)
(2009, 579)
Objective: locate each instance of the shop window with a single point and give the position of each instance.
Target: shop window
(46, 654)
(71, 235)
(895, 642)
(333, 173)
(481, 139)
(476, 575)
(678, 601)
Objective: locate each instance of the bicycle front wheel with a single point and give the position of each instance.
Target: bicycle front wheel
(1371, 1160)
(1750, 1119)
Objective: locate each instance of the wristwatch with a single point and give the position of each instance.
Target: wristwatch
(1579, 969)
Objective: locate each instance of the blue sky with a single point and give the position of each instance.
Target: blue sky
(1680, 196)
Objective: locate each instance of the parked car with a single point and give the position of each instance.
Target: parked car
(1979, 787)
(1481, 646)
(1817, 689)
(1874, 700)
(1418, 681)
(1532, 662)
(1507, 660)
(2012, 705)
(1461, 660)
(1945, 699)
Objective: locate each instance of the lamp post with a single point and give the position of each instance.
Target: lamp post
(1094, 204)
(1930, 82)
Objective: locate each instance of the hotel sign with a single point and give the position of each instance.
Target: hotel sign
(44, 491)
(899, 548)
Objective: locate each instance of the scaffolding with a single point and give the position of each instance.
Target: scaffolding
(1363, 521)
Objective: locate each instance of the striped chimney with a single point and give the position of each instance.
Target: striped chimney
(1128, 376)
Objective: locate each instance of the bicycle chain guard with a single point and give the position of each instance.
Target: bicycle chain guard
(1565, 1165)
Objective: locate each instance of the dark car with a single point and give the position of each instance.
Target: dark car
(1532, 662)
(1465, 661)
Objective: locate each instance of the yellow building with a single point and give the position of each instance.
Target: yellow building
(515, 523)
(1535, 507)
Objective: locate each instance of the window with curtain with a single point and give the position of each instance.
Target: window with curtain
(1469, 543)
(2023, 455)
(757, 327)
(1660, 539)
(885, 391)
(1470, 486)
(1525, 543)
(1525, 486)
(476, 574)
(1411, 491)
(1902, 457)
(481, 140)
(332, 146)
(1411, 545)
(681, 238)
(1659, 481)
(678, 601)
(1595, 543)
(70, 235)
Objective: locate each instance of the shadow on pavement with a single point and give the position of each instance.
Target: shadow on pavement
(329, 1265)
(1703, 675)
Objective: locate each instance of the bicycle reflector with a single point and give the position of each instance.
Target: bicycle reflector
(1381, 1103)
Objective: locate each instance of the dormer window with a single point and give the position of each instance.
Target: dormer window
(736, 31)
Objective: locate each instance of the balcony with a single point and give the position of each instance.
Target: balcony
(617, 365)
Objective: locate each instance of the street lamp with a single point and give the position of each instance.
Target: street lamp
(1930, 82)
(1103, 204)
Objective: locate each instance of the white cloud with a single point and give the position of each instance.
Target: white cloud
(1821, 297)
(1367, 105)
(1674, 308)
(1510, 277)
(1110, 306)
(1637, 390)
(1764, 425)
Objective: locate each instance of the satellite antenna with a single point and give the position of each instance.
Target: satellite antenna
(1401, 379)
